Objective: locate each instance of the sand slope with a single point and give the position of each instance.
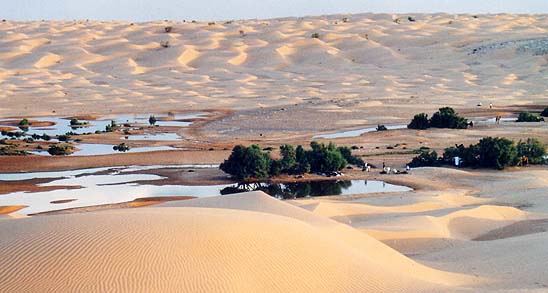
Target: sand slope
(199, 247)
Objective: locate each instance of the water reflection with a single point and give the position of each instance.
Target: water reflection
(316, 188)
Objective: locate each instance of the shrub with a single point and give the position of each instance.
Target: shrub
(533, 150)
(496, 152)
(447, 118)
(346, 152)
(152, 120)
(528, 117)
(123, 147)
(76, 122)
(247, 162)
(60, 150)
(168, 29)
(425, 159)
(420, 121)
(24, 122)
(381, 127)
(315, 36)
(544, 112)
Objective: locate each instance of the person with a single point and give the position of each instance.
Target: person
(407, 168)
(383, 165)
(368, 169)
(490, 105)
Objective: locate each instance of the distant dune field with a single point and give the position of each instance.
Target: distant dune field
(366, 60)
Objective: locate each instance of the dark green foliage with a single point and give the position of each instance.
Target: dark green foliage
(447, 118)
(420, 121)
(152, 120)
(425, 159)
(24, 122)
(288, 161)
(528, 117)
(544, 112)
(123, 147)
(63, 137)
(325, 159)
(381, 127)
(10, 151)
(252, 163)
(496, 153)
(60, 150)
(110, 127)
(74, 122)
(246, 163)
(533, 149)
(315, 36)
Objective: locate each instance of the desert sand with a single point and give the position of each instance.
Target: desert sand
(270, 82)
(366, 63)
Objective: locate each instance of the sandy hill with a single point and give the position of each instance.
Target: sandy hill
(369, 59)
(244, 243)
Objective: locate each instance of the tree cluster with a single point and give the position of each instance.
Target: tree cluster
(251, 162)
(490, 152)
(445, 118)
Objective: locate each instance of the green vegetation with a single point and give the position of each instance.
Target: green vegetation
(528, 117)
(152, 120)
(123, 147)
(251, 162)
(490, 152)
(381, 127)
(24, 122)
(60, 150)
(420, 121)
(247, 162)
(74, 122)
(446, 117)
(544, 112)
(315, 36)
(110, 127)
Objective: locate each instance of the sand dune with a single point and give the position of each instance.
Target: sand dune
(367, 58)
(252, 243)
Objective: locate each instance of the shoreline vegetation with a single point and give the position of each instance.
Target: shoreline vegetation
(489, 152)
(252, 163)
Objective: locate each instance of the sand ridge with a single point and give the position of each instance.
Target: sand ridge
(369, 58)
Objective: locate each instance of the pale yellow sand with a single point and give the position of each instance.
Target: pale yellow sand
(243, 243)
(484, 223)
(371, 64)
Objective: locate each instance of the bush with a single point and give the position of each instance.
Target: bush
(381, 127)
(123, 147)
(60, 150)
(24, 122)
(252, 163)
(447, 118)
(528, 117)
(544, 112)
(74, 122)
(315, 36)
(247, 162)
(420, 121)
(496, 153)
(425, 159)
(533, 150)
(152, 120)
